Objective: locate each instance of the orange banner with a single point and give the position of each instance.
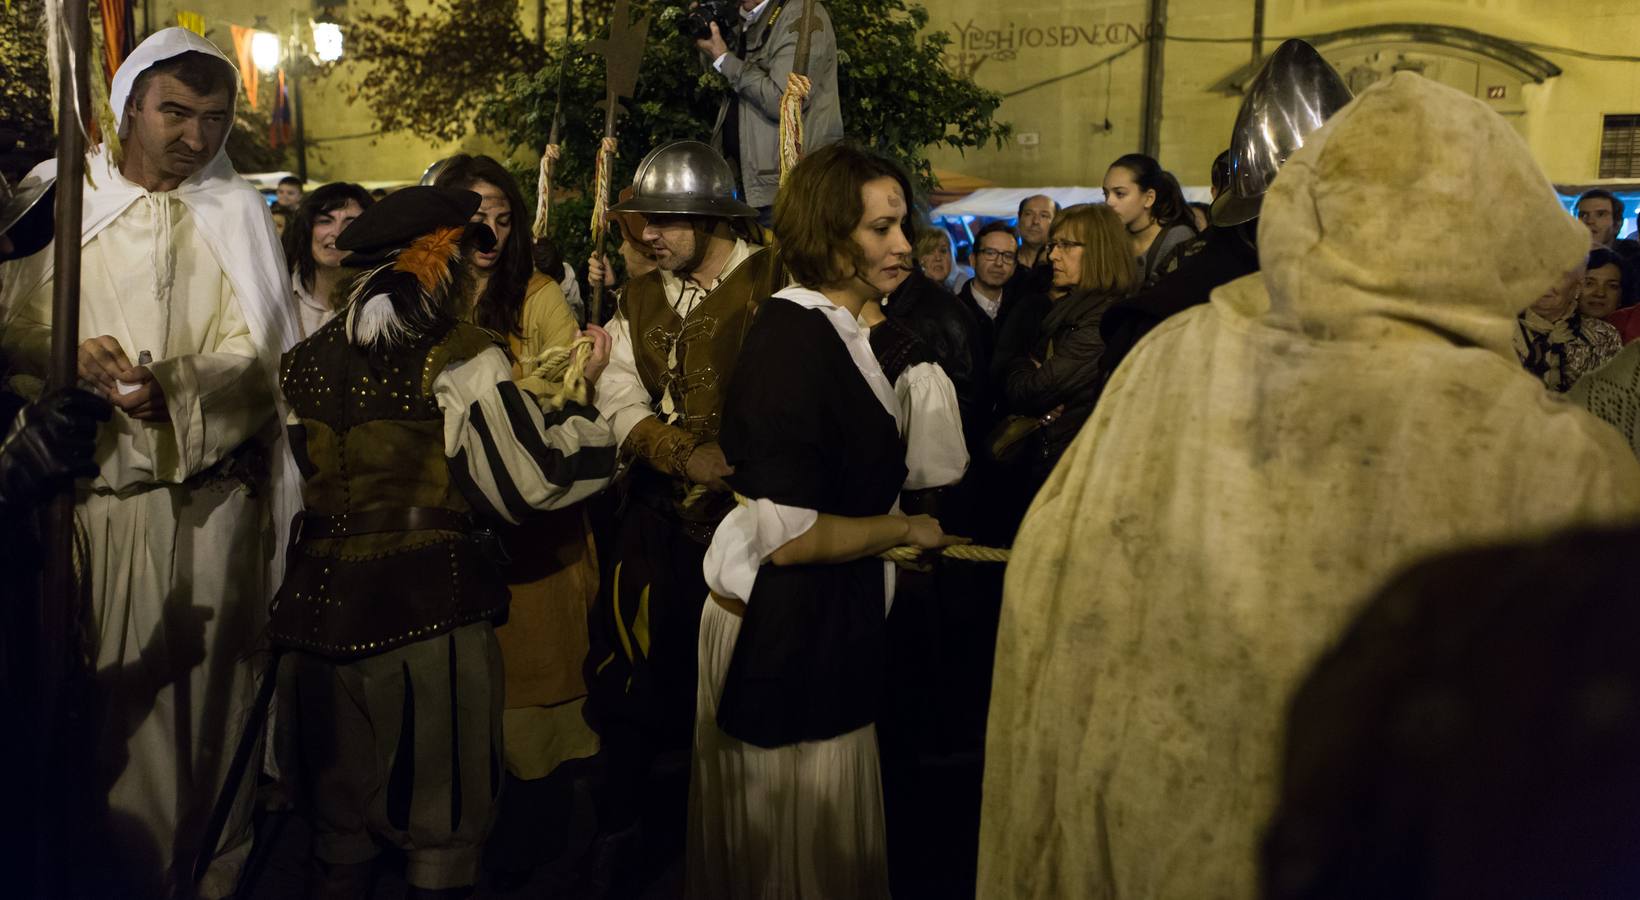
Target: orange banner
(247, 66)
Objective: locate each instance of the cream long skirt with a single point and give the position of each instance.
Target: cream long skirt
(790, 823)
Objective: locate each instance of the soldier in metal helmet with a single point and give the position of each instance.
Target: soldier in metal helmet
(1292, 95)
(675, 337)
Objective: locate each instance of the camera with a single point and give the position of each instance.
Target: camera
(697, 21)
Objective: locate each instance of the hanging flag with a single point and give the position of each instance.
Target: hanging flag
(192, 21)
(247, 67)
(116, 23)
(279, 126)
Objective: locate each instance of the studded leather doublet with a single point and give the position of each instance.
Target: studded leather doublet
(694, 357)
(371, 438)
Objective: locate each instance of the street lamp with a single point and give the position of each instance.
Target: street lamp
(327, 37)
(265, 49)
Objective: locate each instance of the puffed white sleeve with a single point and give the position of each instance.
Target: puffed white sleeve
(936, 454)
(745, 540)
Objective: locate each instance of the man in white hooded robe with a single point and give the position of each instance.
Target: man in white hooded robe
(184, 313)
(1257, 467)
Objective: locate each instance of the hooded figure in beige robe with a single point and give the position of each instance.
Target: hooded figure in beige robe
(1256, 468)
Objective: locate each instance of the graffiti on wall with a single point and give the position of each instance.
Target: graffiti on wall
(976, 44)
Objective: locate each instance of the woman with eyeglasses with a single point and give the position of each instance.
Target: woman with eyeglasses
(1057, 384)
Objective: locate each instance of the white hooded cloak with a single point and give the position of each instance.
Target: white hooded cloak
(176, 548)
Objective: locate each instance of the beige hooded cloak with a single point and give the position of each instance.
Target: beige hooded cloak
(1256, 468)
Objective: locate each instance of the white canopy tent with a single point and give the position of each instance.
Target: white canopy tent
(1003, 202)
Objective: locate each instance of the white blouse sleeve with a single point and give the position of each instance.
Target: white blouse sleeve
(620, 394)
(745, 539)
(936, 454)
(572, 294)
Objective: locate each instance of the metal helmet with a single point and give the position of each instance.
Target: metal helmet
(1291, 97)
(26, 214)
(431, 175)
(685, 178)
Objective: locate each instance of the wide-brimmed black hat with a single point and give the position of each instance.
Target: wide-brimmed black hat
(401, 217)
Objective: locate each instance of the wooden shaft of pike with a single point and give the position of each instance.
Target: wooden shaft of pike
(606, 162)
(59, 596)
(805, 39)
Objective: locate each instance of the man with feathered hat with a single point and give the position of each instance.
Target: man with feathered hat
(411, 436)
(185, 308)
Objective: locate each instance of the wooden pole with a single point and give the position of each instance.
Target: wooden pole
(1150, 137)
(1258, 35)
(59, 596)
(623, 55)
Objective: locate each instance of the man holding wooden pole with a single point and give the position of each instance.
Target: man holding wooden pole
(185, 309)
(775, 39)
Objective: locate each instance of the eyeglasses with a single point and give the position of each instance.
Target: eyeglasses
(1051, 246)
(990, 255)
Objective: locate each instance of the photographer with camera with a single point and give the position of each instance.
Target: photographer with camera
(754, 45)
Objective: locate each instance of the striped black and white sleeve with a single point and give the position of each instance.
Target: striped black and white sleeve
(506, 456)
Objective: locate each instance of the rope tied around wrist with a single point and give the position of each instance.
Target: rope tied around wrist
(557, 375)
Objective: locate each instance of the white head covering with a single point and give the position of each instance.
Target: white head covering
(235, 225)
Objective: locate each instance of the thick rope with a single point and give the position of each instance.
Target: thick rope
(558, 374)
(600, 196)
(791, 122)
(964, 552)
(901, 555)
(543, 192)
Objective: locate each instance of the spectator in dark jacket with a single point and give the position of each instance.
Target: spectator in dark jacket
(1058, 382)
(1033, 274)
(952, 336)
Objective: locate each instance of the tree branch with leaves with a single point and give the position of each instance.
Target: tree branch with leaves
(466, 65)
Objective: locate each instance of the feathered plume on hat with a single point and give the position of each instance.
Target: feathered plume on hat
(412, 245)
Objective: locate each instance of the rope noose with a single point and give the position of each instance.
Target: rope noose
(543, 192)
(791, 122)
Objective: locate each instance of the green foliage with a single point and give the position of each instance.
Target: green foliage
(467, 65)
(674, 100)
(898, 94)
(429, 72)
(26, 133)
(248, 146)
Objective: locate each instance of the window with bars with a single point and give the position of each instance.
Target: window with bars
(1620, 147)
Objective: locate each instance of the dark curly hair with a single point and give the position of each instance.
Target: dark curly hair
(298, 236)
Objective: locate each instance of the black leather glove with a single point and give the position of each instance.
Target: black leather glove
(53, 440)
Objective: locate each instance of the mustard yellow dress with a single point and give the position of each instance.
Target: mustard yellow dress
(553, 579)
